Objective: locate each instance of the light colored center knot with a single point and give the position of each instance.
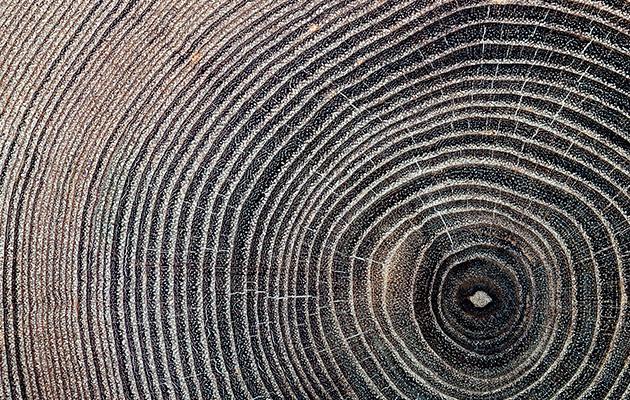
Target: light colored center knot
(480, 299)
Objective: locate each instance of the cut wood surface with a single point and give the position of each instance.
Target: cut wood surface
(322, 199)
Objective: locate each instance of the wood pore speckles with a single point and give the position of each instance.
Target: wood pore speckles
(314, 199)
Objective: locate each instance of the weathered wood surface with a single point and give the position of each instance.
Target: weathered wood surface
(314, 199)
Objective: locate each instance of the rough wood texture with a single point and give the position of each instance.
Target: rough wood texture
(300, 199)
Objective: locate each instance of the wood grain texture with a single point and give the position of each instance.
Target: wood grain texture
(298, 199)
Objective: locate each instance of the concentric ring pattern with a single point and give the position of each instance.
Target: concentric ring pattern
(315, 199)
